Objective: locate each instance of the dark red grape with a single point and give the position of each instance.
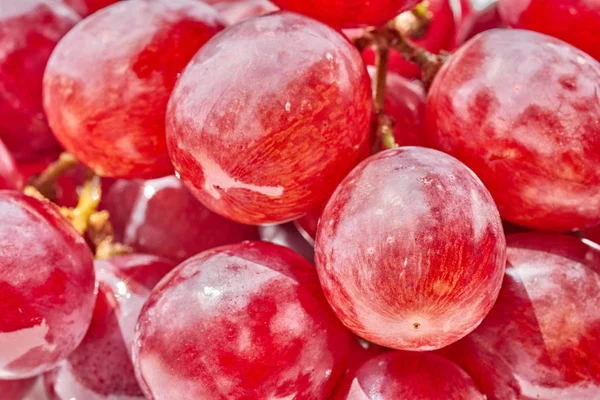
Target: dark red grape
(259, 151)
(29, 30)
(574, 21)
(477, 22)
(234, 11)
(244, 321)
(161, 216)
(87, 7)
(593, 234)
(108, 82)
(405, 104)
(348, 13)
(307, 225)
(438, 37)
(10, 177)
(101, 368)
(407, 375)
(46, 286)
(529, 129)
(16, 389)
(287, 235)
(430, 259)
(542, 338)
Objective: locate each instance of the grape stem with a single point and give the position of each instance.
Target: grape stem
(415, 22)
(96, 224)
(87, 204)
(45, 183)
(101, 234)
(385, 132)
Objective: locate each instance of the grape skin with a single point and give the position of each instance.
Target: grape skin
(108, 82)
(429, 264)
(46, 286)
(530, 130)
(265, 151)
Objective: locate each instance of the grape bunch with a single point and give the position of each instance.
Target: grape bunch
(299, 200)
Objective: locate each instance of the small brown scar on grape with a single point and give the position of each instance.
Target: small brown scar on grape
(416, 325)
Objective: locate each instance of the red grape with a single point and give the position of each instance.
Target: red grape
(529, 129)
(438, 37)
(541, 339)
(429, 264)
(480, 21)
(29, 30)
(234, 11)
(87, 7)
(244, 321)
(10, 177)
(101, 368)
(407, 375)
(574, 21)
(360, 352)
(307, 225)
(16, 389)
(259, 150)
(108, 82)
(348, 13)
(161, 216)
(405, 104)
(593, 234)
(287, 235)
(46, 286)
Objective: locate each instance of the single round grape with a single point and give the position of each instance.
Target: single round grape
(542, 338)
(87, 7)
(160, 216)
(437, 37)
(574, 21)
(529, 129)
(261, 150)
(348, 13)
(16, 389)
(429, 264)
(404, 103)
(234, 11)
(243, 321)
(287, 235)
(101, 368)
(29, 30)
(46, 286)
(10, 177)
(407, 375)
(108, 82)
